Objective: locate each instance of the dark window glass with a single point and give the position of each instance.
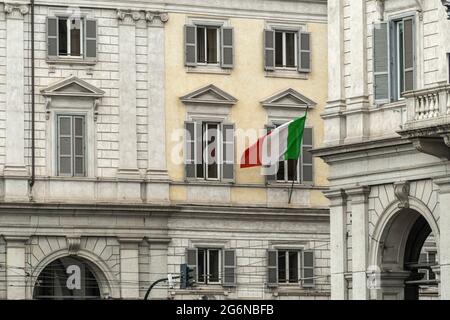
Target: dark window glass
(279, 49)
(75, 37)
(201, 57)
(213, 266)
(293, 267)
(212, 45)
(201, 266)
(62, 37)
(281, 266)
(290, 49)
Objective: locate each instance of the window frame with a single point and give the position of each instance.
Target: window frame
(82, 20)
(283, 50)
(72, 116)
(287, 252)
(219, 143)
(206, 265)
(218, 43)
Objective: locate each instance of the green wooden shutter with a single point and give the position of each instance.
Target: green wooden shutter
(227, 48)
(308, 269)
(409, 56)
(52, 37)
(228, 152)
(91, 39)
(189, 150)
(272, 268)
(304, 59)
(229, 268)
(381, 63)
(269, 50)
(190, 45)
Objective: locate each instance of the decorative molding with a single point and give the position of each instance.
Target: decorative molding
(209, 95)
(380, 9)
(73, 245)
(15, 10)
(288, 99)
(446, 4)
(156, 18)
(128, 17)
(433, 146)
(401, 191)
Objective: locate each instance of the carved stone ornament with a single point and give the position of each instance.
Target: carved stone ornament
(401, 191)
(73, 245)
(16, 10)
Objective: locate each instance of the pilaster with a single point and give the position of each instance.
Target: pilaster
(129, 267)
(16, 267)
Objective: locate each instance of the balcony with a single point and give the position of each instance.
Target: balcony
(428, 120)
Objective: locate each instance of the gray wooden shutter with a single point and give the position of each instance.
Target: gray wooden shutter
(189, 150)
(229, 268)
(190, 45)
(270, 178)
(308, 269)
(79, 145)
(91, 39)
(65, 147)
(228, 152)
(381, 62)
(272, 268)
(304, 58)
(227, 48)
(269, 50)
(192, 261)
(52, 37)
(307, 158)
(409, 56)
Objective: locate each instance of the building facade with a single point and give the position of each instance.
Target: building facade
(125, 165)
(387, 146)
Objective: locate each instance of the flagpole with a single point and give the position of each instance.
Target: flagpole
(296, 166)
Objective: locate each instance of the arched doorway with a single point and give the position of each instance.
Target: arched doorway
(407, 255)
(67, 278)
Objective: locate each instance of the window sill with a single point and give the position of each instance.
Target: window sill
(72, 61)
(205, 69)
(289, 184)
(288, 74)
(390, 105)
(208, 183)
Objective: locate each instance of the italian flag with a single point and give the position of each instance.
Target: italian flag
(282, 143)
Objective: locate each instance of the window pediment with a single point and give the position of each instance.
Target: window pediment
(72, 87)
(288, 99)
(209, 95)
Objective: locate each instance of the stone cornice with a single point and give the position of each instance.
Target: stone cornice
(15, 10)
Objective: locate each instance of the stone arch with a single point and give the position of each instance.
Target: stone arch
(108, 284)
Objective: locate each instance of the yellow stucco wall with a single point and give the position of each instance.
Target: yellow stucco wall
(248, 83)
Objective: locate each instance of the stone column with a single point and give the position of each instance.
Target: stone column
(16, 185)
(334, 120)
(129, 267)
(15, 268)
(357, 102)
(338, 246)
(127, 94)
(158, 188)
(158, 265)
(444, 237)
(360, 240)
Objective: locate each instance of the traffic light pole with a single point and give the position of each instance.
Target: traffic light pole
(147, 294)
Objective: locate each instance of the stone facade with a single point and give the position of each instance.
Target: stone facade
(388, 159)
(128, 215)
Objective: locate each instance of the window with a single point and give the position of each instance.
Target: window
(209, 151)
(290, 266)
(71, 145)
(71, 38)
(213, 265)
(285, 49)
(302, 170)
(428, 258)
(209, 45)
(394, 59)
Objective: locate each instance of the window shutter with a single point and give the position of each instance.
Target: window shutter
(190, 45)
(272, 268)
(199, 157)
(308, 269)
(269, 50)
(189, 150)
(227, 48)
(304, 59)
(228, 152)
(381, 62)
(91, 39)
(409, 56)
(192, 261)
(79, 146)
(229, 268)
(65, 147)
(270, 178)
(52, 37)
(307, 158)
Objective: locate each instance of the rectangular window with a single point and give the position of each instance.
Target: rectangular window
(289, 266)
(71, 145)
(303, 172)
(70, 39)
(208, 44)
(286, 48)
(209, 262)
